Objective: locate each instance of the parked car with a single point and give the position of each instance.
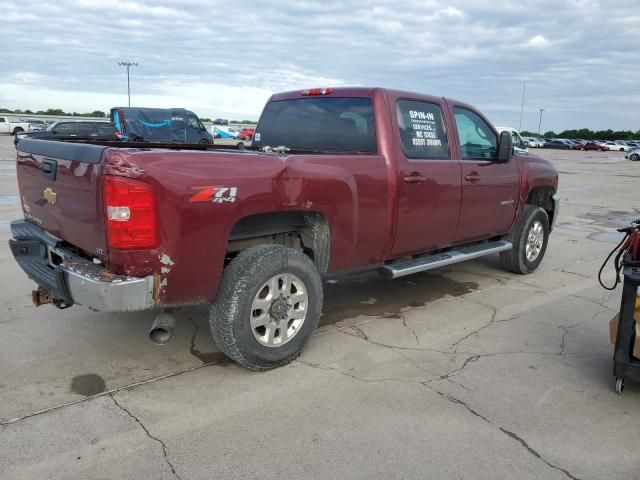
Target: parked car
(336, 180)
(36, 124)
(7, 126)
(74, 129)
(220, 121)
(634, 155)
(592, 146)
(246, 133)
(616, 147)
(160, 125)
(225, 132)
(557, 144)
(534, 142)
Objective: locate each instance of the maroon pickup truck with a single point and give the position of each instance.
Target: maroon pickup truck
(336, 179)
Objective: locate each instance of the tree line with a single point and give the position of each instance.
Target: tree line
(54, 111)
(586, 134)
(58, 112)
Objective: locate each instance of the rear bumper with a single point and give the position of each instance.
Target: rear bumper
(73, 279)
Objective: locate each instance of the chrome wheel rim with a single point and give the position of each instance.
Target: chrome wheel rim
(278, 310)
(535, 240)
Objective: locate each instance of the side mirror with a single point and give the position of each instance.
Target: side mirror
(526, 144)
(505, 147)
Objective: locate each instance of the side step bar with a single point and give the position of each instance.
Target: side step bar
(428, 262)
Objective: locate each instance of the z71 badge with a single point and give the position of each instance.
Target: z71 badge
(214, 194)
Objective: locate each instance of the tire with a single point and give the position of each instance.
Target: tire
(516, 260)
(635, 157)
(244, 282)
(17, 130)
(204, 142)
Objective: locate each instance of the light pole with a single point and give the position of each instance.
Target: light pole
(540, 122)
(524, 87)
(128, 65)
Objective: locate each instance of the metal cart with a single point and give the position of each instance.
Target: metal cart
(625, 365)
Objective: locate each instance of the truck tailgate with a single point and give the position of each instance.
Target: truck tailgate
(59, 189)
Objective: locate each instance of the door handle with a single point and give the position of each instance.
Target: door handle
(473, 177)
(415, 177)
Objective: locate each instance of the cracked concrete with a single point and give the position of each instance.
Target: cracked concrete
(165, 450)
(483, 374)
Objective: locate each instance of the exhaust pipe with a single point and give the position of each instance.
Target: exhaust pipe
(162, 328)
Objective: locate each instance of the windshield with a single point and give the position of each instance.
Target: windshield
(319, 123)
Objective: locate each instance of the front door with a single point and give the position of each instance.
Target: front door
(490, 190)
(428, 178)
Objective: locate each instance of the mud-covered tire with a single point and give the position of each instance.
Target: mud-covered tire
(242, 280)
(515, 260)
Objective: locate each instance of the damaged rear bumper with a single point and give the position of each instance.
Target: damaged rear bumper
(72, 279)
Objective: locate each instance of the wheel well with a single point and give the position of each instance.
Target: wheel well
(543, 197)
(17, 130)
(305, 231)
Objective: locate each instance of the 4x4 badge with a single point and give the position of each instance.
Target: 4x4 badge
(50, 196)
(214, 194)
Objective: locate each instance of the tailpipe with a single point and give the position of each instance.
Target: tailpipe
(162, 328)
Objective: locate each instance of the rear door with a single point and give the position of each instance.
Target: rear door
(428, 177)
(490, 190)
(59, 189)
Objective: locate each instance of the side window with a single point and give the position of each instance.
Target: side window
(477, 139)
(422, 132)
(65, 129)
(193, 123)
(517, 140)
(2, 120)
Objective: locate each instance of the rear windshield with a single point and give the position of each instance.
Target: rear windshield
(323, 123)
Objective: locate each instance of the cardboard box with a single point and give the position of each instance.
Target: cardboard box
(613, 329)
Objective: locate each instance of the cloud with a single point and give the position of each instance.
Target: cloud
(538, 41)
(215, 58)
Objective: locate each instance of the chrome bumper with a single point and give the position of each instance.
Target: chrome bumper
(117, 294)
(72, 279)
(556, 210)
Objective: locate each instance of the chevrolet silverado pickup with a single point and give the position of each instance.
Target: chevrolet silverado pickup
(336, 179)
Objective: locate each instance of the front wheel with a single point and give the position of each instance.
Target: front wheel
(529, 241)
(268, 306)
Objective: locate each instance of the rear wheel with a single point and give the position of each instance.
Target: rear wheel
(635, 157)
(17, 130)
(267, 308)
(529, 241)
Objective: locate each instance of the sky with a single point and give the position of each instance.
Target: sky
(578, 58)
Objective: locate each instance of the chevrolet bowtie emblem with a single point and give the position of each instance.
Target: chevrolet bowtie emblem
(50, 196)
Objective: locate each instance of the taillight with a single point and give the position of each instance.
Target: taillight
(131, 213)
(317, 91)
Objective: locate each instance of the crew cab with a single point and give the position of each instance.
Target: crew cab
(335, 179)
(7, 126)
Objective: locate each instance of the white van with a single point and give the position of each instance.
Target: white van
(519, 144)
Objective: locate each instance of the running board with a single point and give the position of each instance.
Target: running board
(429, 262)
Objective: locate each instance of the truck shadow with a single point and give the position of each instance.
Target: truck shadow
(370, 294)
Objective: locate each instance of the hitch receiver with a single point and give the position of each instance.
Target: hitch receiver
(41, 296)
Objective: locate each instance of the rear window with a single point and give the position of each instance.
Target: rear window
(337, 124)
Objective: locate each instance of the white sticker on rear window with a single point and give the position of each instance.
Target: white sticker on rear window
(257, 137)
